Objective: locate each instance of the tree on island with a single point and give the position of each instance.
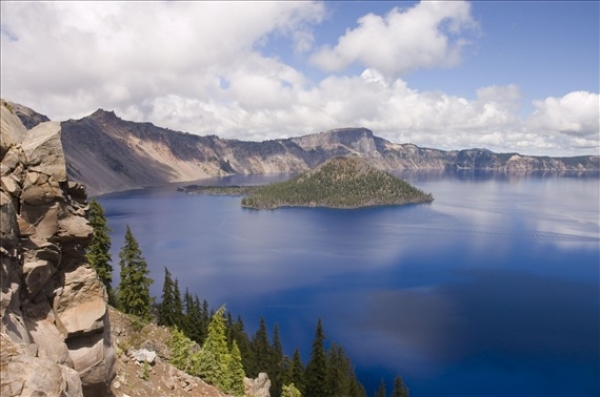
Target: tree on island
(134, 288)
(98, 252)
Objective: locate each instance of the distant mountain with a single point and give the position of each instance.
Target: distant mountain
(342, 182)
(109, 154)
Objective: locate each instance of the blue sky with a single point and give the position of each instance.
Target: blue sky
(509, 76)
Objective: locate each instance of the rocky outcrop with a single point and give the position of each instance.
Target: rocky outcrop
(259, 387)
(109, 154)
(54, 319)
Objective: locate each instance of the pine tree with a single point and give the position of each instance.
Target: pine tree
(297, 371)
(234, 379)
(215, 355)
(275, 371)
(316, 370)
(134, 288)
(381, 390)
(178, 307)
(180, 347)
(339, 372)
(167, 307)
(400, 388)
(261, 349)
(98, 252)
(356, 388)
(290, 391)
(241, 338)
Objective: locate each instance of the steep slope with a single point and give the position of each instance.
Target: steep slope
(54, 328)
(342, 182)
(109, 154)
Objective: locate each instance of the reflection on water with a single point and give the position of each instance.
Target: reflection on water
(490, 290)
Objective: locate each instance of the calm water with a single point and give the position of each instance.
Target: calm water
(491, 290)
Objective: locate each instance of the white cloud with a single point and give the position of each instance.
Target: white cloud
(198, 67)
(576, 114)
(426, 35)
(113, 54)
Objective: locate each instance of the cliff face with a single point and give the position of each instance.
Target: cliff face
(109, 154)
(54, 326)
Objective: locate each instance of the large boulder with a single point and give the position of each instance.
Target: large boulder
(259, 387)
(53, 309)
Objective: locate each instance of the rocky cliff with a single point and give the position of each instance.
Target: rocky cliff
(54, 329)
(109, 154)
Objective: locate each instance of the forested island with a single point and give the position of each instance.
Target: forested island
(342, 182)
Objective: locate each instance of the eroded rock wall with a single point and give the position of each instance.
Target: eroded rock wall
(54, 318)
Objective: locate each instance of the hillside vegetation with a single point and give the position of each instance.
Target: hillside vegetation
(343, 182)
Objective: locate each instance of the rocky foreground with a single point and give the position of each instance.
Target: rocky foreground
(55, 330)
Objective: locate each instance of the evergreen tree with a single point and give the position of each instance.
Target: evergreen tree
(178, 307)
(290, 391)
(381, 390)
(98, 252)
(275, 372)
(167, 308)
(134, 288)
(215, 355)
(241, 338)
(234, 379)
(356, 388)
(180, 347)
(205, 318)
(316, 369)
(339, 372)
(261, 349)
(400, 388)
(297, 371)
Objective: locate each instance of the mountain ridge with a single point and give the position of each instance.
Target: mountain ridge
(108, 154)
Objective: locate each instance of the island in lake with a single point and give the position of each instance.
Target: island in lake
(342, 182)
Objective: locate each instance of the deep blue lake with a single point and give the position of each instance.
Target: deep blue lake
(491, 290)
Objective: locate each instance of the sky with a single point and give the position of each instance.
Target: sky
(507, 76)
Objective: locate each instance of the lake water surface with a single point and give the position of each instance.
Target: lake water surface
(491, 290)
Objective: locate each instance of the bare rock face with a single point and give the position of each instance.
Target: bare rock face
(258, 387)
(54, 320)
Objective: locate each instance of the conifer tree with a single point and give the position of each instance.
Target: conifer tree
(167, 308)
(339, 372)
(234, 379)
(297, 371)
(134, 288)
(205, 318)
(381, 390)
(178, 307)
(98, 252)
(290, 391)
(180, 347)
(275, 371)
(261, 349)
(356, 388)
(316, 369)
(244, 344)
(400, 388)
(215, 355)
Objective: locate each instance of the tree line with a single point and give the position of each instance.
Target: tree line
(211, 344)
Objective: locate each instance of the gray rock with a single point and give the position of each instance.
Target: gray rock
(258, 387)
(144, 355)
(51, 301)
